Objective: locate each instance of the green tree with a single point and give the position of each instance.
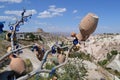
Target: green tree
(30, 36)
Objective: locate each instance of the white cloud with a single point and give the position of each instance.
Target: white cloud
(11, 1)
(18, 13)
(52, 11)
(2, 6)
(45, 14)
(53, 8)
(32, 11)
(75, 11)
(7, 18)
(56, 14)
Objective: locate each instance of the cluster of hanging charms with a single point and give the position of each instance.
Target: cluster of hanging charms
(56, 54)
(76, 42)
(39, 51)
(17, 64)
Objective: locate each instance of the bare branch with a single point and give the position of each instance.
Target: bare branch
(7, 54)
(40, 70)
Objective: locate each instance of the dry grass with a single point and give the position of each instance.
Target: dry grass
(3, 47)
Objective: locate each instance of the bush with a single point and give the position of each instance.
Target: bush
(49, 66)
(75, 54)
(103, 62)
(114, 52)
(116, 72)
(109, 56)
(37, 77)
(29, 66)
(80, 55)
(73, 72)
(30, 36)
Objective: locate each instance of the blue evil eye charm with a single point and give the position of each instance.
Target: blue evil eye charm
(53, 50)
(75, 41)
(1, 27)
(25, 19)
(43, 50)
(52, 71)
(30, 17)
(34, 48)
(20, 51)
(11, 28)
(17, 28)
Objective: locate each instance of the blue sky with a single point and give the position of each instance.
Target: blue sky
(62, 15)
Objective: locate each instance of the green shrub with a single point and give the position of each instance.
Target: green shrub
(37, 77)
(49, 66)
(73, 72)
(109, 56)
(29, 66)
(80, 55)
(30, 36)
(103, 62)
(75, 54)
(114, 52)
(116, 72)
(70, 72)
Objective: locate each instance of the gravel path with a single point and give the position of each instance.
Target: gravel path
(27, 54)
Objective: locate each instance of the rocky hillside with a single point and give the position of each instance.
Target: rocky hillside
(100, 54)
(44, 38)
(100, 45)
(105, 51)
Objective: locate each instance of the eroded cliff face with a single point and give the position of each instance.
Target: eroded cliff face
(115, 63)
(100, 45)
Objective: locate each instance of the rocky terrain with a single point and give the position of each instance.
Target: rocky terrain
(98, 46)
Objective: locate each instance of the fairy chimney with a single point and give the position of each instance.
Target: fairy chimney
(40, 30)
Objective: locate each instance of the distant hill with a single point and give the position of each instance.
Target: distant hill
(66, 34)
